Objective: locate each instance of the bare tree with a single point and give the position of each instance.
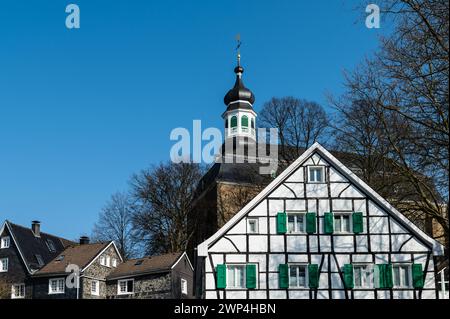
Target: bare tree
(408, 95)
(115, 223)
(164, 195)
(300, 123)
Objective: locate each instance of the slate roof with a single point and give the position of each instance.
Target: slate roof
(80, 255)
(146, 265)
(30, 245)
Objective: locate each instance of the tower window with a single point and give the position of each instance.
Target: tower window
(226, 123)
(233, 121)
(244, 121)
(253, 123)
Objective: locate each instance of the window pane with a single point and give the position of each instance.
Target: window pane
(358, 276)
(396, 271)
(230, 276)
(299, 223)
(318, 175)
(405, 276)
(291, 223)
(302, 276)
(293, 276)
(337, 223)
(346, 223)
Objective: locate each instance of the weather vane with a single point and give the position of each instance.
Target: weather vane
(238, 39)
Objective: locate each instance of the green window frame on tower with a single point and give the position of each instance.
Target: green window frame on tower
(233, 121)
(244, 121)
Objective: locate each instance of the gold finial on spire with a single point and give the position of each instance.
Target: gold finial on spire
(238, 48)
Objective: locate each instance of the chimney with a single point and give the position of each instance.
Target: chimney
(84, 240)
(36, 228)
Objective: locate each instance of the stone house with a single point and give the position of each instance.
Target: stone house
(168, 276)
(92, 262)
(23, 251)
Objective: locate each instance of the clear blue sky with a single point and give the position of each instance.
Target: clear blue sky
(81, 110)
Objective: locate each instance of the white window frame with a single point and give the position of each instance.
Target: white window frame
(5, 242)
(114, 262)
(126, 281)
(15, 288)
(314, 167)
(409, 273)
(58, 291)
(306, 275)
(184, 286)
(253, 220)
(296, 231)
(108, 262)
(4, 261)
(102, 260)
(96, 291)
(243, 276)
(367, 278)
(350, 223)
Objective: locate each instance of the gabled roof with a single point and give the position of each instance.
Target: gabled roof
(147, 265)
(29, 245)
(437, 248)
(80, 255)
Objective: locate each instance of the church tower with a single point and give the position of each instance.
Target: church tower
(239, 117)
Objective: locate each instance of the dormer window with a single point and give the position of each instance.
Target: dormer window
(50, 245)
(102, 260)
(316, 174)
(39, 260)
(5, 242)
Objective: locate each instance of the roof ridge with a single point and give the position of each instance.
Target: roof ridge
(42, 232)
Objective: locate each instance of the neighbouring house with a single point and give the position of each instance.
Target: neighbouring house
(168, 276)
(317, 231)
(23, 251)
(93, 262)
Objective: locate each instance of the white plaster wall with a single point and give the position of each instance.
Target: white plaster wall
(297, 176)
(295, 204)
(277, 243)
(257, 294)
(259, 210)
(275, 206)
(378, 225)
(257, 243)
(379, 242)
(335, 176)
(316, 190)
(343, 243)
(342, 204)
(296, 243)
(298, 294)
(277, 294)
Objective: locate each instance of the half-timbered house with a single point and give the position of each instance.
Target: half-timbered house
(318, 231)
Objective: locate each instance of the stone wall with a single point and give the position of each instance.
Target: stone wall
(98, 272)
(156, 286)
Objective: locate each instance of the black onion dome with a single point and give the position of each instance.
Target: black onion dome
(239, 92)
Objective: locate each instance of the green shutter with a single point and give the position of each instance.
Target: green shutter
(233, 121)
(310, 223)
(348, 276)
(385, 276)
(313, 275)
(283, 276)
(221, 273)
(328, 223)
(417, 274)
(250, 275)
(244, 121)
(281, 223)
(357, 222)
